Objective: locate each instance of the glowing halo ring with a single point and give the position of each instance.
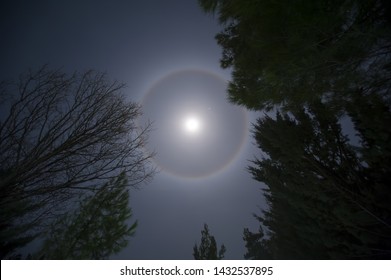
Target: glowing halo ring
(232, 158)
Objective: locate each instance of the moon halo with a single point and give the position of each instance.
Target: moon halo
(197, 132)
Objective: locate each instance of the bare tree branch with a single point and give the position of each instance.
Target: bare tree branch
(63, 134)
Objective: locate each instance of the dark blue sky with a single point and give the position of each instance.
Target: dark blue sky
(142, 43)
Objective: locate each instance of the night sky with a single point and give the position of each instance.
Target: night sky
(166, 53)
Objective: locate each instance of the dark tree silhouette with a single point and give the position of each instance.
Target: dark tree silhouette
(285, 52)
(315, 62)
(208, 247)
(97, 229)
(61, 135)
(257, 245)
(325, 202)
(14, 235)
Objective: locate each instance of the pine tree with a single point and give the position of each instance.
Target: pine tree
(208, 247)
(322, 203)
(97, 229)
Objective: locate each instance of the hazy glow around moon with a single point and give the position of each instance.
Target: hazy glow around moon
(192, 125)
(197, 133)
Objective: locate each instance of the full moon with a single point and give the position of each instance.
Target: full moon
(197, 133)
(192, 125)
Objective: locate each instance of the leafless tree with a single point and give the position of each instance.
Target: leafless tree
(62, 134)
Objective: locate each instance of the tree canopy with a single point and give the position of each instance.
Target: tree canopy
(60, 136)
(325, 203)
(313, 67)
(290, 52)
(98, 228)
(207, 250)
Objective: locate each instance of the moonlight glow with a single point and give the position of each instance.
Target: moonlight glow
(197, 132)
(192, 125)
